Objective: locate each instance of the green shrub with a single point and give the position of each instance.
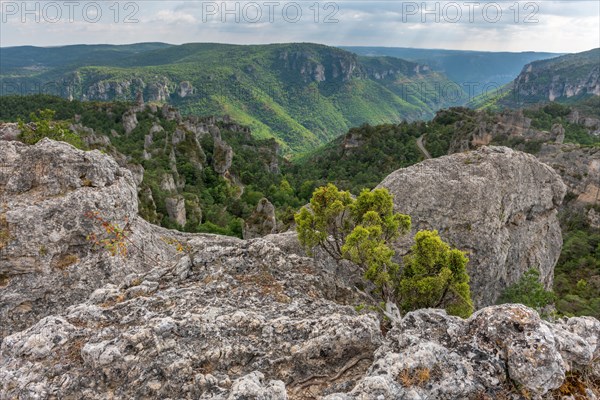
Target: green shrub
(45, 126)
(435, 276)
(362, 231)
(528, 291)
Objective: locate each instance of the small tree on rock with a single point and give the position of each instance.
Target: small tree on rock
(435, 275)
(362, 231)
(45, 126)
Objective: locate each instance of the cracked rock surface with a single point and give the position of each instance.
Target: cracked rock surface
(226, 318)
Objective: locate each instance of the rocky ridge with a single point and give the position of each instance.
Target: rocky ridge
(558, 79)
(222, 318)
(497, 204)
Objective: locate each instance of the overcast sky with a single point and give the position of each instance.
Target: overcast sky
(555, 26)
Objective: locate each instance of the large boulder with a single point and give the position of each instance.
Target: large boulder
(497, 204)
(47, 260)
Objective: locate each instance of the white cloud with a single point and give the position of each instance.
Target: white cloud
(564, 26)
(173, 17)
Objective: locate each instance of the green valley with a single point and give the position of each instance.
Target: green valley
(301, 94)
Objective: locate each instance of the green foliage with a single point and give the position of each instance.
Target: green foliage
(328, 222)
(366, 247)
(435, 275)
(362, 231)
(44, 126)
(379, 150)
(528, 291)
(266, 87)
(577, 273)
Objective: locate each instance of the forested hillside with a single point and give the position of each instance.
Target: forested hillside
(301, 94)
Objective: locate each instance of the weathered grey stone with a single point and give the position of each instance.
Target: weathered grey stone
(559, 132)
(579, 168)
(185, 89)
(130, 121)
(234, 308)
(262, 222)
(178, 137)
(9, 131)
(176, 209)
(432, 355)
(168, 183)
(251, 386)
(47, 260)
(497, 204)
(222, 157)
(137, 172)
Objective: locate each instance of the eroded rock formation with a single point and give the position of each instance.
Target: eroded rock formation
(497, 204)
(215, 317)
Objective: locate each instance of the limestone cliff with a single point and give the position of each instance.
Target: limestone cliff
(557, 79)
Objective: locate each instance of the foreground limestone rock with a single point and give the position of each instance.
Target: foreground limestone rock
(46, 260)
(497, 204)
(430, 355)
(227, 318)
(236, 308)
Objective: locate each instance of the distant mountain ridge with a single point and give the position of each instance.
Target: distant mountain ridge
(568, 79)
(473, 70)
(302, 94)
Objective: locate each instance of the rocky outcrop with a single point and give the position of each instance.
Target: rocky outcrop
(235, 308)
(176, 210)
(559, 131)
(497, 204)
(222, 157)
(47, 259)
(130, 121)
(168, 183)
(579, 168)
(9, 131)
(558, 78)
(262, 222)
(430, 355)
(592, 124)
(212, 317)
(185, 89)
(306, 63)
(478, 128)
